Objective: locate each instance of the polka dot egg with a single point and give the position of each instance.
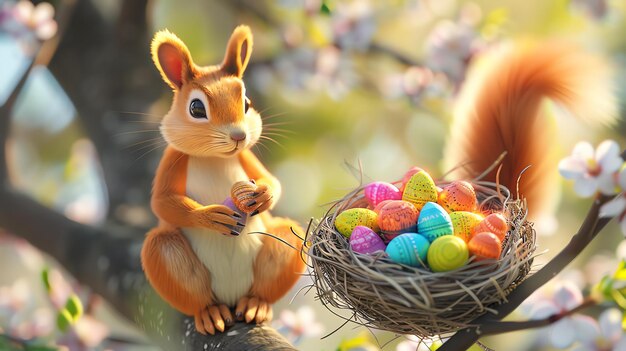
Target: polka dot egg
(458, 196)
(463, 223)
(420, 189)
(397, 217)
(347, 220)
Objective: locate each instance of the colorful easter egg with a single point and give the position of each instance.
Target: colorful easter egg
(397, 217)
(420, 189)
(447, 253)
(348, 219)
(410, 249)
(464, 222)
(365, 241)
(407, 176)
(380, 206)
(231, 204)
(485, 246)
(494, 223)
(458, 196)
(377, 192)
(434, 222)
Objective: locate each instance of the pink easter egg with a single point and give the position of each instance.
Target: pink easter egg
(364, 240)
(378, 192)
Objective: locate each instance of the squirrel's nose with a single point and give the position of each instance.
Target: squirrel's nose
(238, 135)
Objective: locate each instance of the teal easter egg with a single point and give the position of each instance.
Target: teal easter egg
(434, 222)
(410, 249)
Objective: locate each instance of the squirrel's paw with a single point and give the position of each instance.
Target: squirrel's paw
(213, 318)
(221, 219)
(251, 198)
(253, 309)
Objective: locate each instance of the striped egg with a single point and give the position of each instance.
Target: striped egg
(458, 196)
(464, 222)
(494, 223)
(434, 222)
(365, 241)
(397, 217)
(410, 249)
(420, 189)
(485, 246)
(347, 220)
(407, 176)
(377, 192)
(447, 253)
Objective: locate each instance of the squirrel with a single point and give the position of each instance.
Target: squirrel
(500, 109)
(204, 258)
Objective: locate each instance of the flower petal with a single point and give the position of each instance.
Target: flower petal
(607, 183)
(563, 333)
(583, 150)
(621, 178)
(543, 309)
(614, 207)
(586, 186)
(587, 329)
(611, 324)
(607, 156)
(620, 345)
(572, 167)
(567, 296)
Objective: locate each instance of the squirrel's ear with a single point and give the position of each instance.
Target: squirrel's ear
(172, 59)
(238, 51)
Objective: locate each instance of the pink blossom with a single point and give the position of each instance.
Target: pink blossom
(592, 170)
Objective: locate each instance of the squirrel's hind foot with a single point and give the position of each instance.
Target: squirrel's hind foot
(253, 309)
(213, 318)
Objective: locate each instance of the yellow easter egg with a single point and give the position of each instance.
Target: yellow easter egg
(420, 189)
(464, 223)
(447, 253)
(347, 220)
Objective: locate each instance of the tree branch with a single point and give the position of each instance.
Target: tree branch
(507, 327)
(589, 229)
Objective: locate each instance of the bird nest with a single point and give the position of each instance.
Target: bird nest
(386, 295)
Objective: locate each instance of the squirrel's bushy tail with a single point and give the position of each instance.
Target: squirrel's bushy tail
(501, 109)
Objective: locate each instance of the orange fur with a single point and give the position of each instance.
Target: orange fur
(501, 110)
(277, 267)
(175, 271)
(174, 256)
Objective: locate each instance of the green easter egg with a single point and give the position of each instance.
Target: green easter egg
(347, 220)
(447, 253)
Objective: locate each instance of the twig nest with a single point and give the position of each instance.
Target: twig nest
(433, 279)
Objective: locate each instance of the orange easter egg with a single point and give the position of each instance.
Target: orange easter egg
(485, 246)
(494, 223)
(397, 217)
(380, 206)
(458, 196)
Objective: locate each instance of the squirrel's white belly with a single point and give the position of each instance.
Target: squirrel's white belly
(229, 259)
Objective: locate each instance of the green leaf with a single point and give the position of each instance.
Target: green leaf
(324, 9)
(45, 277)
(64, 320)
(74, 306)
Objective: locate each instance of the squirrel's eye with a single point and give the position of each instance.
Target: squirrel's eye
(246, 105)
(196, 109)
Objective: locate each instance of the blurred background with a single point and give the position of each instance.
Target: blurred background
(369, 83)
